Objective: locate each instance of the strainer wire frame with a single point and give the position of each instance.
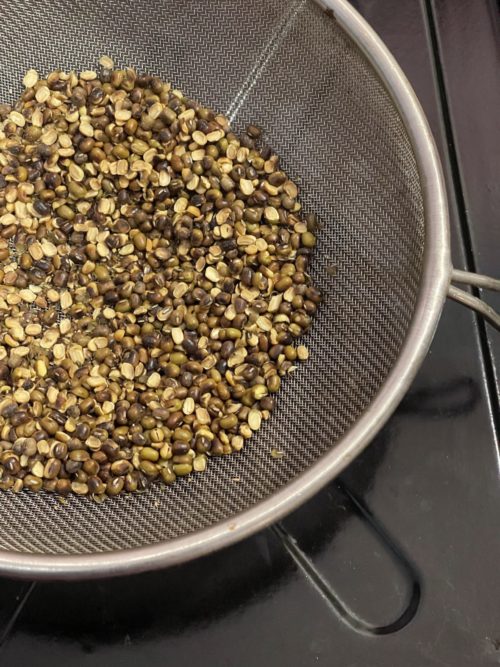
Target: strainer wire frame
(435, 281)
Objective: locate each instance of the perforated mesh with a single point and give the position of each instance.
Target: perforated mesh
(290, 68)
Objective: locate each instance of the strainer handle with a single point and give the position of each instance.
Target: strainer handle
(474, 302)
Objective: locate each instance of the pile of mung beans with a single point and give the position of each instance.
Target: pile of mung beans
(153, 283)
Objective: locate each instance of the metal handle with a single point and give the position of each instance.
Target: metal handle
(474, 302)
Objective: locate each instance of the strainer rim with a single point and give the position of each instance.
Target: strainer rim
(436, 274)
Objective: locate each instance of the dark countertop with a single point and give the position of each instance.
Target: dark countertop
(395, 563)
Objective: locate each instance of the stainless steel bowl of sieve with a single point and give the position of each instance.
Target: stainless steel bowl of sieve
(337, 108)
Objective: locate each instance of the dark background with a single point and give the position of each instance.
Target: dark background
(397, 562)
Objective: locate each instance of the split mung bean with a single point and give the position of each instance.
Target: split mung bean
(154, 283)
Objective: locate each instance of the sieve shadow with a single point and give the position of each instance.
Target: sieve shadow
(452, 398)
(443, 400)
(189, 597)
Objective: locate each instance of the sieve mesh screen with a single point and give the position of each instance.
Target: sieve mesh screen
(290, 68)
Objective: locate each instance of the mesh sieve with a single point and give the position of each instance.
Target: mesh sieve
(291, 68)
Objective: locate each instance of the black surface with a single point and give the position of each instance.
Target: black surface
(396, 563)
(472, 83)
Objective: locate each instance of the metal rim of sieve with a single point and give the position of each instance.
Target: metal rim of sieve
(436, 275)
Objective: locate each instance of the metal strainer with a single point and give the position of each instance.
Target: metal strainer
(338, 110)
